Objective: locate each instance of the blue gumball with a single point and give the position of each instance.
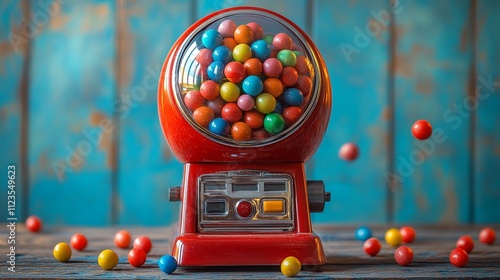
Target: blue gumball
(211, 39)
(222, 53)
(215, 71)
(279, 108)
(261, 50)
(292, 97)
(252, 85)
(219, 126)
(363, 233)
(167, 264)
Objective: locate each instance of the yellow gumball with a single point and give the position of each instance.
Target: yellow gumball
(393, 237)
(107, 259)
(290, 266)
(62, 252)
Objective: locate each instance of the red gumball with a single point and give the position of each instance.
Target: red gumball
(372, 246)
(78, 241)
(487, 236)
(235, 72)
(33, 223)
(403, 255)
(421, 129)
(408, 234)
(143, 242)
(459, 258)
(193, 99)
(122, 239)
(137, 257)
(231, 112)
(349, 151)
(465, 242)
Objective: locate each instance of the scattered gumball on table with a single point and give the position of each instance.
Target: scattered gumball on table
(362, 233)
(78, 241)
(459, 257)
(290, 266)
(349, 151)
(487, 236)
(393, 237)
(372, 246)
(167, 264)
(122, 239)
(403, 255)
(465, 242)
(33, 224)
(62, 252)
(143, 242)
(107, 259)
(407, 234)
(136, 257)
(421, 129)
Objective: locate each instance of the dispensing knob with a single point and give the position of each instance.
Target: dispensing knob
(317, 196)
(174, 194)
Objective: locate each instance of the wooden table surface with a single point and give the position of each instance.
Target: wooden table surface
(345, 256)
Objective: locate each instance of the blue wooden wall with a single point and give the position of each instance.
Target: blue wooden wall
(78, 112)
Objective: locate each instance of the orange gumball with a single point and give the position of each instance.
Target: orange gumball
(241, 131)
(203, 115)
(253, 66)
(243, 34)
(273, 86)
(254, 119)
(230, 43)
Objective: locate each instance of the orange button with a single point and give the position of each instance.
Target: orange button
(273, 206)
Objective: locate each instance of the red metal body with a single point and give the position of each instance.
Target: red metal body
(201, 155)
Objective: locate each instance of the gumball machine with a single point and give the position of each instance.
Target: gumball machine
(244, 101)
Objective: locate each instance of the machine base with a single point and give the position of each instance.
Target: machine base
(247, 249)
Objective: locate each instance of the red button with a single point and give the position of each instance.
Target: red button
(244, 208)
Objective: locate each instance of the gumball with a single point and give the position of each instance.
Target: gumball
(279, 108)
(226, 28)
(122, 239)
(274, 123)
(222, 54)
(33, 223)
(272, 67)
(259, 134)
(229, 92)
(273, 86)
(403, 255)
(304, 84)
(268, 38)
(230, 43)
(193, 99)
(292, 97)
(78, 241)
(234, 72)
(136, 257)
(211, 38)
(216, 105)
(219, 126)
(393, 237)
(261, 50)
(407, 233)
(349, 151)
(372, 246)
(287, 58)
(265, 103)
(246, 102)
(487, 236)
(362, 233)
(142, 242)
(215, 71)
(231, 113)
(62, 252)
(289, 76)
(258, 32)
(167, 264)
(242, 52)
(253, 66)
(241, 131)
(282, 41)
(204, 57)
(203, 115)
(209, 89)
(107, 259)
(243, 34)
(252, 85)
(465, 242)
(254, 119)
(291, 115)
(421, 129)
(302, 65)
(290, 266)
(459, 258)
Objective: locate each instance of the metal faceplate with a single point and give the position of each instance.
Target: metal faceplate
(265, 199)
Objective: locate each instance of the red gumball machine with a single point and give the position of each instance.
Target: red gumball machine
(244, 101)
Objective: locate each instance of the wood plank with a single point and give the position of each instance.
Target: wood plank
(487, 132)
(358, 65)
(13, 55)
(345, 256)
(433, 60)
(71, 96)
(147, 167)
